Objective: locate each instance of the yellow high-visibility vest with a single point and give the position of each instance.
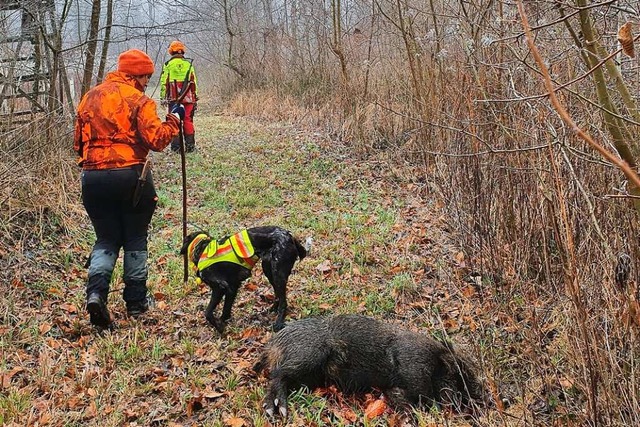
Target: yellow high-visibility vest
(177, 72)
(236, 249)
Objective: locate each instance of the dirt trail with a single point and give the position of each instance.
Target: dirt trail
(381, 247)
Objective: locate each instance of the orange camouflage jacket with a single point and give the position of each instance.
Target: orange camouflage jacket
(117, 124)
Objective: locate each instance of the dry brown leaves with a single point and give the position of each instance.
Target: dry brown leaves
(625, 37)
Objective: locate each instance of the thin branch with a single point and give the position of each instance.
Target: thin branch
(576, 11)
(621, 164)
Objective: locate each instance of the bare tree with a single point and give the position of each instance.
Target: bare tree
(105, 41)
(92, 44)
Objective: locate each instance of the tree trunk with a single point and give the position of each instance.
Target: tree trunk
(614, 125)
(105, 43)
(92, 44)
(336, 43)
(230, 58)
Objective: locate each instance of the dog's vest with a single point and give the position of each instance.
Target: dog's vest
(236, 249)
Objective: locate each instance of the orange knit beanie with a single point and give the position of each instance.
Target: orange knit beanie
(135, 63)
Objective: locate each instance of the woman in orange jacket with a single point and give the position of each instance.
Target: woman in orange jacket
(116, 127)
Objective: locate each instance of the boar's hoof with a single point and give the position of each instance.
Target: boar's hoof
(271, 405)
(276, 399)
(268, 410)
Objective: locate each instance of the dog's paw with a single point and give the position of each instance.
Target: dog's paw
(219, 325)
(216, 323)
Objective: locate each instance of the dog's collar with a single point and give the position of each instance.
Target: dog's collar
(199, 238)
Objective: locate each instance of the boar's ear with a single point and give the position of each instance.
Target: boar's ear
(460, 385)
(447, 383)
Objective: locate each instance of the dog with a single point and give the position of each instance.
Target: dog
(358, 353)
(225, 263)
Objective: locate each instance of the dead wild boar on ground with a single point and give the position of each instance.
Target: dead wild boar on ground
(358, 353)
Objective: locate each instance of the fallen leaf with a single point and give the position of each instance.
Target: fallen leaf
(194, 404)
(324, 266)
(75, 401)
(240, 365)
(566, 382)
(44, 419)
(468, 291)
(91, 411)
(130, 414)
(69, 308)
(250, 286)
(235, 422)
(397, 269)
(375, 409)
(212, 394)
(17, 283)
(53, 343)
(160, 379)
(251, 333)
(345, 414)
(44, 327)
(451, 324)
(6, 377)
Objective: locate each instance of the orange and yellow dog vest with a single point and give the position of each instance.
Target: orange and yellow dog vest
(236, 249)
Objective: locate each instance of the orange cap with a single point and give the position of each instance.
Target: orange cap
(135, 63)
(177, 47)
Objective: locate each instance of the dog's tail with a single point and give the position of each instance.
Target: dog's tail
(303, 250)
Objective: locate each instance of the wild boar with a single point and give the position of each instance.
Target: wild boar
(358, 353)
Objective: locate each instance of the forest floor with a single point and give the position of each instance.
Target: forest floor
(381, 247)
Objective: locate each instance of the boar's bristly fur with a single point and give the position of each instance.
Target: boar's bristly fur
(358, 353)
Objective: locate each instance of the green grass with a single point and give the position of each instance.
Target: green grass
(244, 174)
(13, 405)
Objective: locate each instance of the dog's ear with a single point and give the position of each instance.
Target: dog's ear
(188, 240)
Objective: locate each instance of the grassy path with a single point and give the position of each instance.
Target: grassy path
(376, 251)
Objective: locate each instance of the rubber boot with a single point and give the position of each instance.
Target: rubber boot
(135, 282)
(190, 143)
(175, 144)
(101, 264)
(98, 312)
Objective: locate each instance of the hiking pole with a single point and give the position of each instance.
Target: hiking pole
(183, 161)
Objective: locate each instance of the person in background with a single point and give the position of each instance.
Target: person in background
(178, 80)
(116, 126)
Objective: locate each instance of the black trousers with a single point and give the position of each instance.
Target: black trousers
(107, 196)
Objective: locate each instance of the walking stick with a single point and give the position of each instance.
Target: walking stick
(183, 161)
(180, 95)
